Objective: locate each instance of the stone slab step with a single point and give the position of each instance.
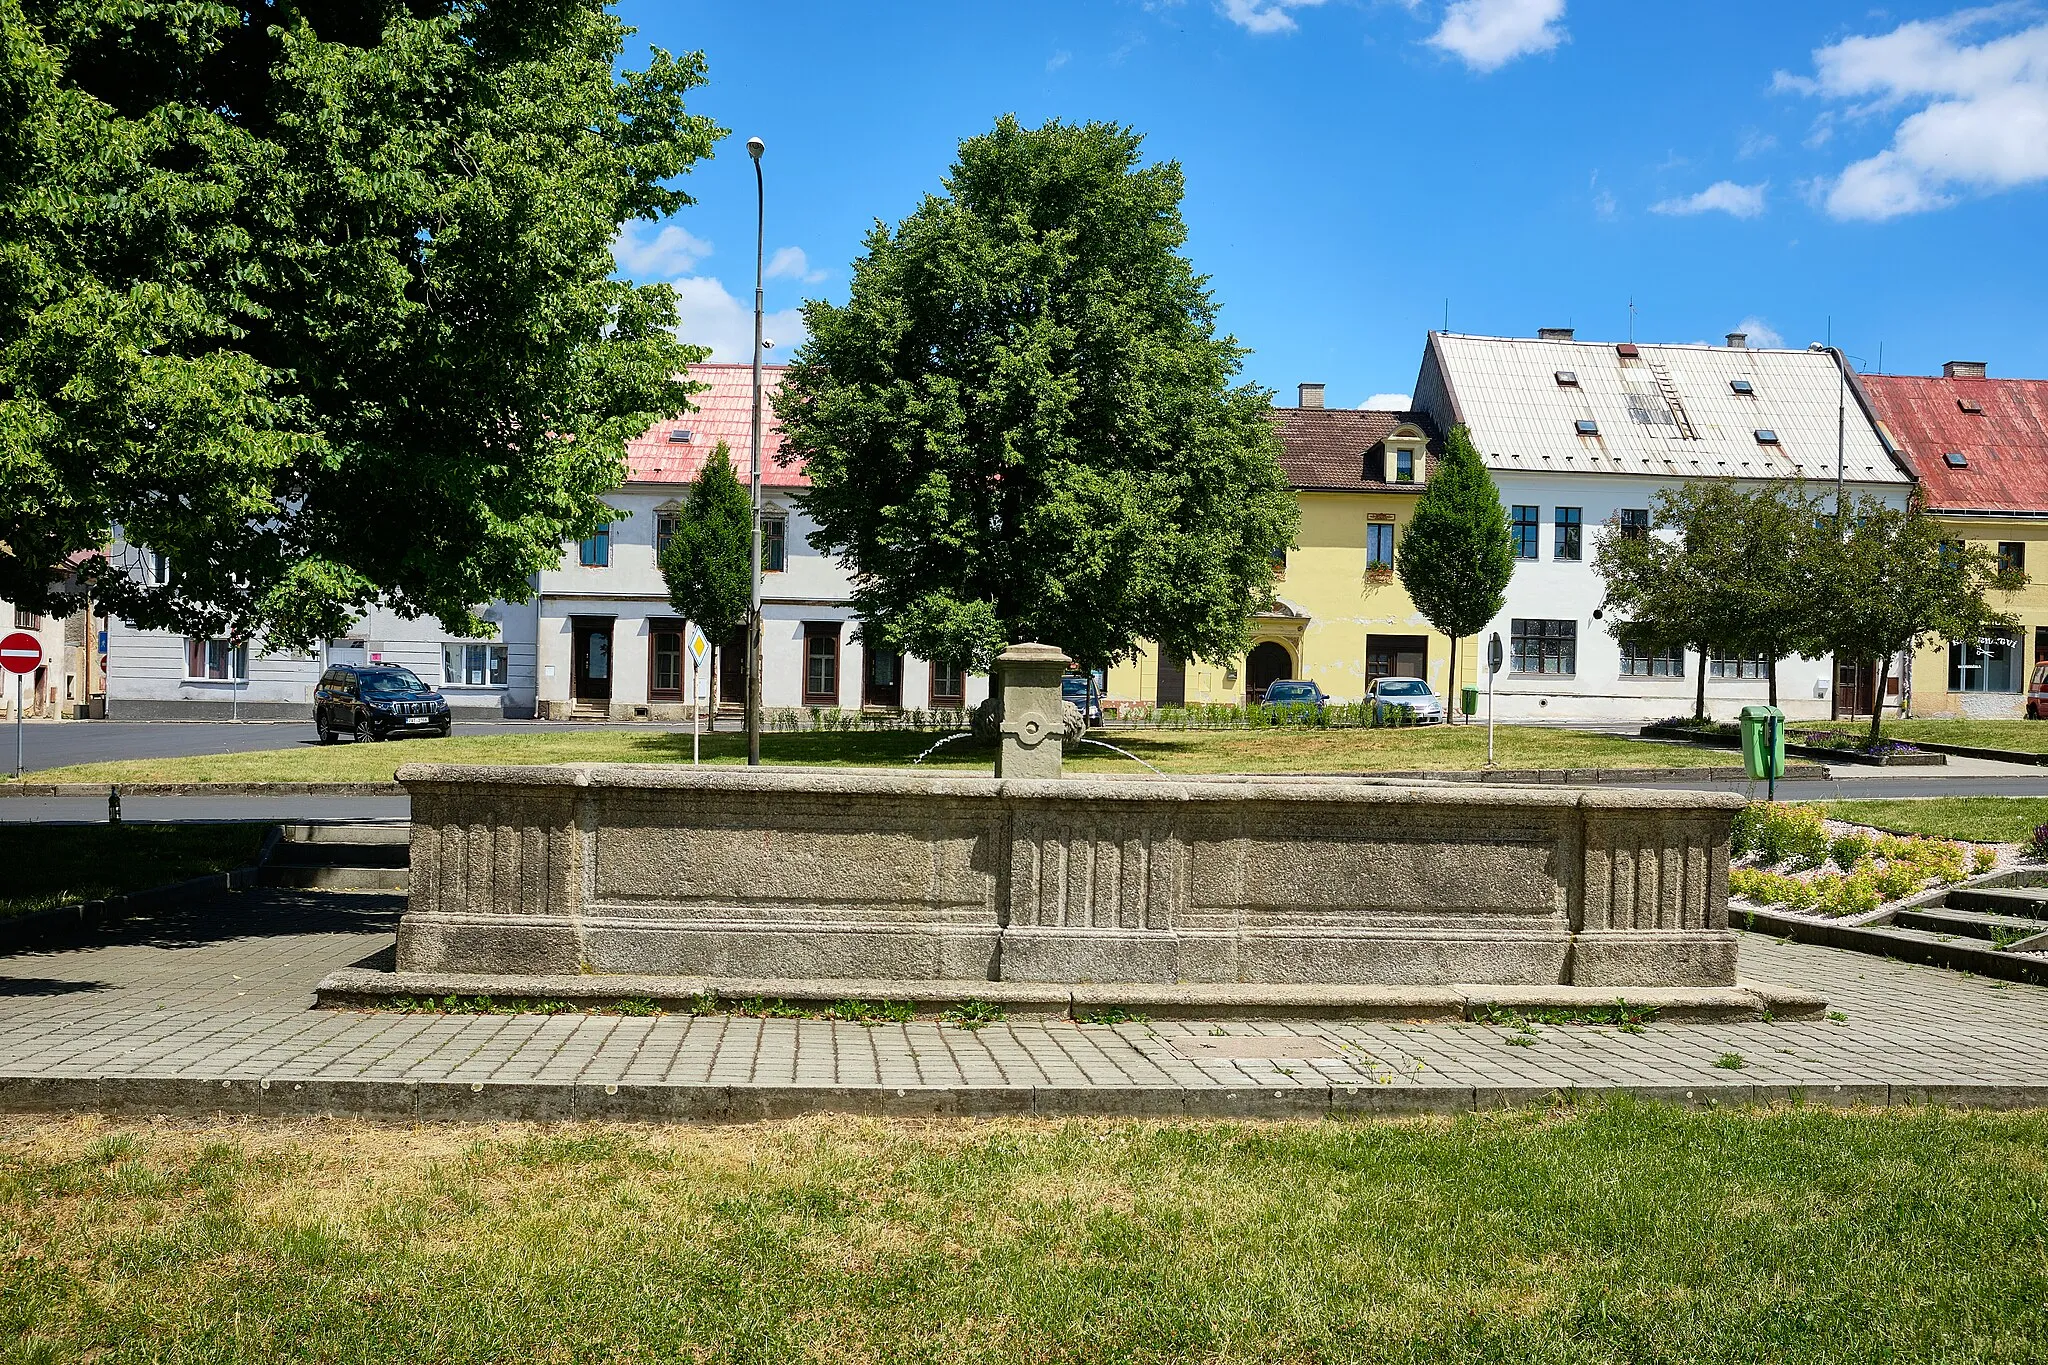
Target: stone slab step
(1941, 919)
(2028, 901)
(289, 854)
(319, 877)
(357, 987)
(1957, 951)
(348, 832)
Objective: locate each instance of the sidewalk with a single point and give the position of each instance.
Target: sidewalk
(211, 1012)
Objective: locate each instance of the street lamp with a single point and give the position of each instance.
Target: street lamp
(754, 149)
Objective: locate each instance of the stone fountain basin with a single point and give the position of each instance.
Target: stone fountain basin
(878, 876)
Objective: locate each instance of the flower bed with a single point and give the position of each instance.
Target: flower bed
(1790, 857)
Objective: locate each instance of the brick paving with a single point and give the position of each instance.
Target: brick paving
(212, 1009)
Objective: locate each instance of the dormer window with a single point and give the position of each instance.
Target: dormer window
(1404, 465)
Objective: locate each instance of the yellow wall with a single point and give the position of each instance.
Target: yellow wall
(1326, 581)
(2029, 606)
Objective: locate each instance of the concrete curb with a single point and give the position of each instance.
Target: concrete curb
(543, 1102)
(1933, 758)
(1958, 955)
(99, 790)
(2019, 756)
(357, 988)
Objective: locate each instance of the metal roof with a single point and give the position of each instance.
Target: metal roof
(1668, 411)
(723, 410)
(2005, 444)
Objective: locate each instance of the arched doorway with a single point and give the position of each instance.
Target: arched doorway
(1267, 664)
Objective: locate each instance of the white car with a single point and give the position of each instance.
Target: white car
(1412, 695)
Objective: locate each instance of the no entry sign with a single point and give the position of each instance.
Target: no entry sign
(20, 652)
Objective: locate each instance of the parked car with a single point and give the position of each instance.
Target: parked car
(377, 701)
(2037, 694)
(1080, 689)
(1412, 695)
(1295, 692)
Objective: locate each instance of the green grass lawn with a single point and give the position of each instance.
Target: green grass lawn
(1625, 1233)
(2022, 736)
(1186, 751)
(52, 865)
(1981, 819)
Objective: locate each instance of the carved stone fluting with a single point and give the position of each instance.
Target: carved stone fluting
(1655, 900)
(1033, 727)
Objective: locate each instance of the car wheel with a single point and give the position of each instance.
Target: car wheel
(327, 736)
(364, 731)
(446, 729)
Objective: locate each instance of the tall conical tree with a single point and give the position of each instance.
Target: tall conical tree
(1455, 558)
(705, 563)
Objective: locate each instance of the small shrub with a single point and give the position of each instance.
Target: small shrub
(1744, 836)
(1793, 834)
(1731, 1061)
(1849, 850)
(2037, 846)
(1982, 860)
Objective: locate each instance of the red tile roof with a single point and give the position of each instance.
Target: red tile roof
(723, 411)
(2006, 444)
(1333, 449)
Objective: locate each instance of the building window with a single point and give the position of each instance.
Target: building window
(1545, 647)
(156, 568)
(1404, 466)
(473, 665)
(1379, 545)
(595, 550)
(1279, 558)
(25, 619)
(216, 660)
(665, 661)
(1644, 661)
(1568, 541)
(1739, 666)
(2012, 556)
(1635, 523)
(821, 664)
(949, 685)
(774, 544)
(665, 524)
(1984, 666)
(1522, 530)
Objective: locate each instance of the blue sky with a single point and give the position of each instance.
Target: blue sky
(1353, 164)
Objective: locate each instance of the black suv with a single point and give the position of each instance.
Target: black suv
(377, 701)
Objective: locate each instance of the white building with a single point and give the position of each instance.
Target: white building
(1579, 436)
(598, 639)
(58, 683)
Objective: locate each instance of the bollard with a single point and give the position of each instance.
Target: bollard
(113, 805)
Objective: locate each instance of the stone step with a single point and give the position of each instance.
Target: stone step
(2030, 902)
(386, 832)
(288, 854)
(1973, 923)
(334, 878)
(1958, 951)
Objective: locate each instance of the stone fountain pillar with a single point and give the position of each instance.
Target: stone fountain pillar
(1034, 718)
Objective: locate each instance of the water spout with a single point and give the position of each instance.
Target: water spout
(1125, 752)
(944, 740)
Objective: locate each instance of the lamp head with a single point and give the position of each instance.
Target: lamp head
(755, 147)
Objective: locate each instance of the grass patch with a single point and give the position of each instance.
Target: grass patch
(1617, 1015)
(2020, 736)
(52, 865)
(1975, 819)
(1616, 1233)
(1185, 751)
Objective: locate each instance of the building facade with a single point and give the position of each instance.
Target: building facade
(1579, 438)
(58, 684)
(1340, 616)
(1979, 448)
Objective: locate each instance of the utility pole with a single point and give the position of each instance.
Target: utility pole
(754, 149)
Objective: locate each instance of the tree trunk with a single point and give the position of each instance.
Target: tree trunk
(1451, 702)
(1699, 703)
(1771, 670)
(1884, 674)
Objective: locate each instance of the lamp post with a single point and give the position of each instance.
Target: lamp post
(754, 149)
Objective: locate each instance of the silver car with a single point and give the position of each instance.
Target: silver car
(1412, 695)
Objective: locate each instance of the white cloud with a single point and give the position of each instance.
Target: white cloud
(644, 252)
(1057, 60)
(1265, 16)
(789, 262)
(1755, 143)
(1723, 196)
(711, 316)
(1760, 333)
(1488, 34)
(1981, 121)
(1387, 402)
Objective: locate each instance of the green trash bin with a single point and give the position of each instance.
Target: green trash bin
(1763, 742)
(1468, 698)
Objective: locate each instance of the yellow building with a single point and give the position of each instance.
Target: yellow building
(1979, 448)
(1340, 616)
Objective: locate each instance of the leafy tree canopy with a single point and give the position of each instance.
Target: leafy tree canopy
(1022, 424)
(1455, 558)
(314, 297)
(709, 556)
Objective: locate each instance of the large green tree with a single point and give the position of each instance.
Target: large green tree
(1455, 557)
(315, 298)
(707, 561)
(1022, 425)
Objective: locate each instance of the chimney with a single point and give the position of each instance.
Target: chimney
(1553, 334)
(1963, 369)
(1738, 341)
(1311, 395)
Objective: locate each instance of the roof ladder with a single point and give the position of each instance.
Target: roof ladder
(1670, 391)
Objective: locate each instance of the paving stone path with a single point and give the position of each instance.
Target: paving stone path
(211, 1010)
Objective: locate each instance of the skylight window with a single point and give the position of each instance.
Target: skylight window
(681, 436)
(1955, 459)
(1568, 378)
(1766, 437)
(1741, 386)
(1969, 405)
(1588, 427)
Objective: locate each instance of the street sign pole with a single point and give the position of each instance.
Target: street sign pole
(20, 654)
(698, 646)
(1493, 662)
(17, 727)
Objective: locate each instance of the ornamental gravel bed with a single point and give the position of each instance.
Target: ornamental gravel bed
(1792, 859)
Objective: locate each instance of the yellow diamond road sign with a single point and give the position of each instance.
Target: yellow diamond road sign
(699, 646)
